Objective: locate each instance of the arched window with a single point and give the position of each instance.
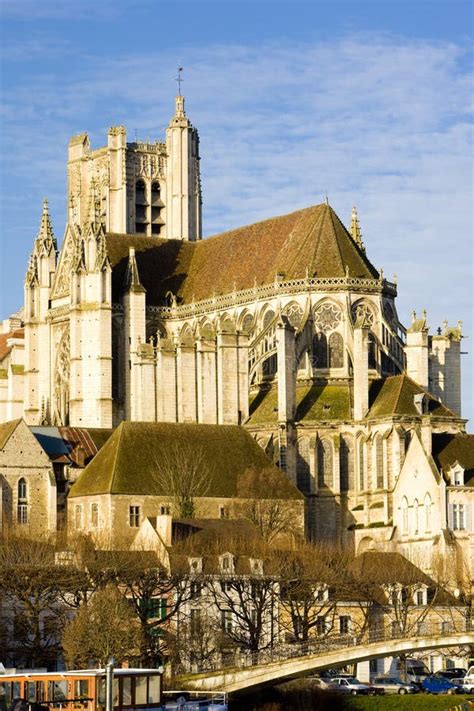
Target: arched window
(156, 205)
(427, 507)
(303, 468)
(346, 463)
(320, 351)
(336, 352)
(141, 207)
(22, 504)
(361, 465)
(404, 515)
(378, 444)
(325, 467)
(268, 318)
(415, 516)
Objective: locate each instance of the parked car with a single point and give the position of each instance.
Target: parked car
(438, 685)
(468, 681)
(392, 685)
(351, 685)
(455, 673)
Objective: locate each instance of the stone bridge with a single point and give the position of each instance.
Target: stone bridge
(251, 672)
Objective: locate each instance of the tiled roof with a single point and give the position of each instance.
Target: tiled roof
(311, 241)
(451, 448)
(4, 337)
(395, 396)
(129, 460)
(76, 445)
(313, 403)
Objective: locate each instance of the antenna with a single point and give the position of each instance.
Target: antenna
(179, 79)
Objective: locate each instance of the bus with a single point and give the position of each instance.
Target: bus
(84, 690)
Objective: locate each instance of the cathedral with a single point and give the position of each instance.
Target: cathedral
(283, 327)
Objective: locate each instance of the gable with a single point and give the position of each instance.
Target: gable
(21, 448)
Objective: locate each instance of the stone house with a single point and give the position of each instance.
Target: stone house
(150, 470)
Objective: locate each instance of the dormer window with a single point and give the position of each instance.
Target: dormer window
(457, 476)
(227, 563)
(256, 566)
(195, 565)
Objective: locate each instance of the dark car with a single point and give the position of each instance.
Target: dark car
(438, 685)
(455, 673)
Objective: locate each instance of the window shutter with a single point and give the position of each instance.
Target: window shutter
(468, 517)
(450, 516)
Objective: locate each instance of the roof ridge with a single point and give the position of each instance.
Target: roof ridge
(120, 429)
(301, 247)
(402, 380)
(336, 235)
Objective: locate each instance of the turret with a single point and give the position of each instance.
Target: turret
(416, 350)
(361, 367)
(445, 365)
(134, 304)
(38, 281)
(183, 188)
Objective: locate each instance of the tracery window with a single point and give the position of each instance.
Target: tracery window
(379, 463)
(362, 310)
(346, 463)
(427, 506)
(404, 515)
(294, 313)
(325, 463)
(415, 516)
(327, 317)
(303, 468)
(336, 355)
(320, 350)
(361, 466)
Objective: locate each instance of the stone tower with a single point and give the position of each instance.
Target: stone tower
(149, 188)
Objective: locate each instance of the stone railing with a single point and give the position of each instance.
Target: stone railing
(277, 288)
(331, 643)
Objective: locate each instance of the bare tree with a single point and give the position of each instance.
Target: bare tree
(32, 610)
(267, 504)
(184, 474)
(313, 581)
(105, 627)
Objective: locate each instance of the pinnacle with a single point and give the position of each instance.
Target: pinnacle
(356, 232)
(46, 240)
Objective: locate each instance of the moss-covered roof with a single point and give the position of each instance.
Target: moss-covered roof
(313, 403)
(451, 448)
(395, 396)
(6, 431)
(129, 461)
(312, 241)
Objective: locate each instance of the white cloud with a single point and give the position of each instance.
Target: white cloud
(371, 119)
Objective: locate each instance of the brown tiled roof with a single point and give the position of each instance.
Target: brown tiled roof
(451, 448)
(312, 241)
(395, 396)
(4, 337)
(83, 444)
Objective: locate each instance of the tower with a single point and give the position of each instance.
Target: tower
(183, 188)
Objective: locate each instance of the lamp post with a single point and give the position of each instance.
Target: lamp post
(109, 685)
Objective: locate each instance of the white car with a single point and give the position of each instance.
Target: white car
(392, 685)
(349, 685)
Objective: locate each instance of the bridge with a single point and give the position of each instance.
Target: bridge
(283, 664)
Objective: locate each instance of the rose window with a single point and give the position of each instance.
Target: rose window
(295, 314)
(327, 317)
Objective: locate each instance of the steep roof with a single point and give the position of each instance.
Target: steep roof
(312, 241)
(314, 402)
(130, 459)
(395, 396)
(6, 431)
(451, 448)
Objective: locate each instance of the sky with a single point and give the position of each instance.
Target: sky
(369, 102)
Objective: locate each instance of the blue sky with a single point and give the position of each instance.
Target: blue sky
(370, 102)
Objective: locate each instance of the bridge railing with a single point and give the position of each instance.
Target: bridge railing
(241, 658)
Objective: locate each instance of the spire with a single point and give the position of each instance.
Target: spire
(132, 278)
(355, 230)
(46, 242)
